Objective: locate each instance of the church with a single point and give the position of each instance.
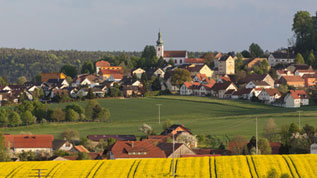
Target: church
(178, 57)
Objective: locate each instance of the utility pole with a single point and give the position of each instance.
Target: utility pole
(299, 118)
(256, 136)
(159, 112)
(173, 156)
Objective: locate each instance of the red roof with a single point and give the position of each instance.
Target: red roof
(29, 141)
(188, 84)
(175, 53)
(298, 94)
(117, 76)
(293, 78)
(102, 64)
(309, 76)
(272, 91)
(110, 71)
(136, 149)
(194, 60)
(81, 148)
(285, 72)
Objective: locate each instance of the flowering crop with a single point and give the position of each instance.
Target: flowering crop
(222, 166)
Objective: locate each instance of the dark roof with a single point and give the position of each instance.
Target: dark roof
(301, 66)
(221, 86)
(173, 127)
(168, 147)
(260, 83)
(175, 53)
(309, 76)
(55, 81)
(252, 77)
(196, 68)
(117, 137)
(224, 58)
(279, 55)
(58, 143)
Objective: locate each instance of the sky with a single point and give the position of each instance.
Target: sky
(129, 25)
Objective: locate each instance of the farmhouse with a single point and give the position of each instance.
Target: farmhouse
(269, 95)
(219, 89)
(34, 143)
(281, 58)
(295, 81)
(296, 98)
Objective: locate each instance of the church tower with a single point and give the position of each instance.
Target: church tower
(159, 46)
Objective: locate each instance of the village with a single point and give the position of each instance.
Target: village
(282, 80)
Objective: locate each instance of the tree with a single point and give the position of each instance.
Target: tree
(90, 94)
(28, 118)
(70, 135)
(161, 63)
(272, 173)
(264, 146)
(270, 130)
(310, 131)
(4, 153)
(21, 80)
(311, 59)
(283, 88)
(89, 110)
(4, 117)
(14, 119)
(187, 139)
(209, 59)
(299, 59)
(156, 84)
(3, 82)
(76, 108)
(88, 67)
(251, 144)
(146, 129)
(37, 93)
(303, 27)
(83, 156)
(167, 124)
(180, 76)
(58, 115)
(293, 128)
(69, 70)
(245, 54)
(71, 115)
(115, 92)
(239, 62)
(237, 144)
(255, 50)
(102, 115)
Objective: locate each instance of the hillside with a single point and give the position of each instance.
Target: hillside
(202, 115)
(220, 167)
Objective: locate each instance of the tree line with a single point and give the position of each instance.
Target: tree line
(32, 112)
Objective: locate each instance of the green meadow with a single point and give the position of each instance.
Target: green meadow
(202, 115)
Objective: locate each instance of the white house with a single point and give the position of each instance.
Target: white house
(281, 58)
(138, 72)
(159, 73)
(269, 95)
(62, 145)
(296, 98)
(219, 89)
(258, 84)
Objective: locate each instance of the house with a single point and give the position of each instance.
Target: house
(111, 74)
(138, 73)
(62, 145)
(244, 93)
(296, 98)
(257, 77)
(134, 149)
(159, 73)
(90, 80)
(60, 83)
(310, 79)
(178, 57)
(295, 67)
(35, 143)
(269, 95)
(226, 65)
(46, 76)
(174, 129)
(196, 61)
(284, 72)
(252, 62)
(186, 89)
(258, 84)
(281, 58)
(295, 81)
(219, 89)
(303, 72)
(105, 65)
(180, 150)
(201, 69)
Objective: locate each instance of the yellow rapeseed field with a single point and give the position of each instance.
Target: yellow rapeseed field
(200, 167)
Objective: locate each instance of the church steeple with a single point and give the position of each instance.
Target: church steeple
(159, 40)
(159, 46)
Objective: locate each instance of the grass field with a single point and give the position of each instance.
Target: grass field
(202, 115)
(255, 166)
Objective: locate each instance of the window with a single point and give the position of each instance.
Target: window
(175, 61)
(181, 61)
(158, 49)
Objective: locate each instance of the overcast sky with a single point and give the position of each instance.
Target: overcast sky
(194, 25)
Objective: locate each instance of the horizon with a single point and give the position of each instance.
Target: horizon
(129, 26)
